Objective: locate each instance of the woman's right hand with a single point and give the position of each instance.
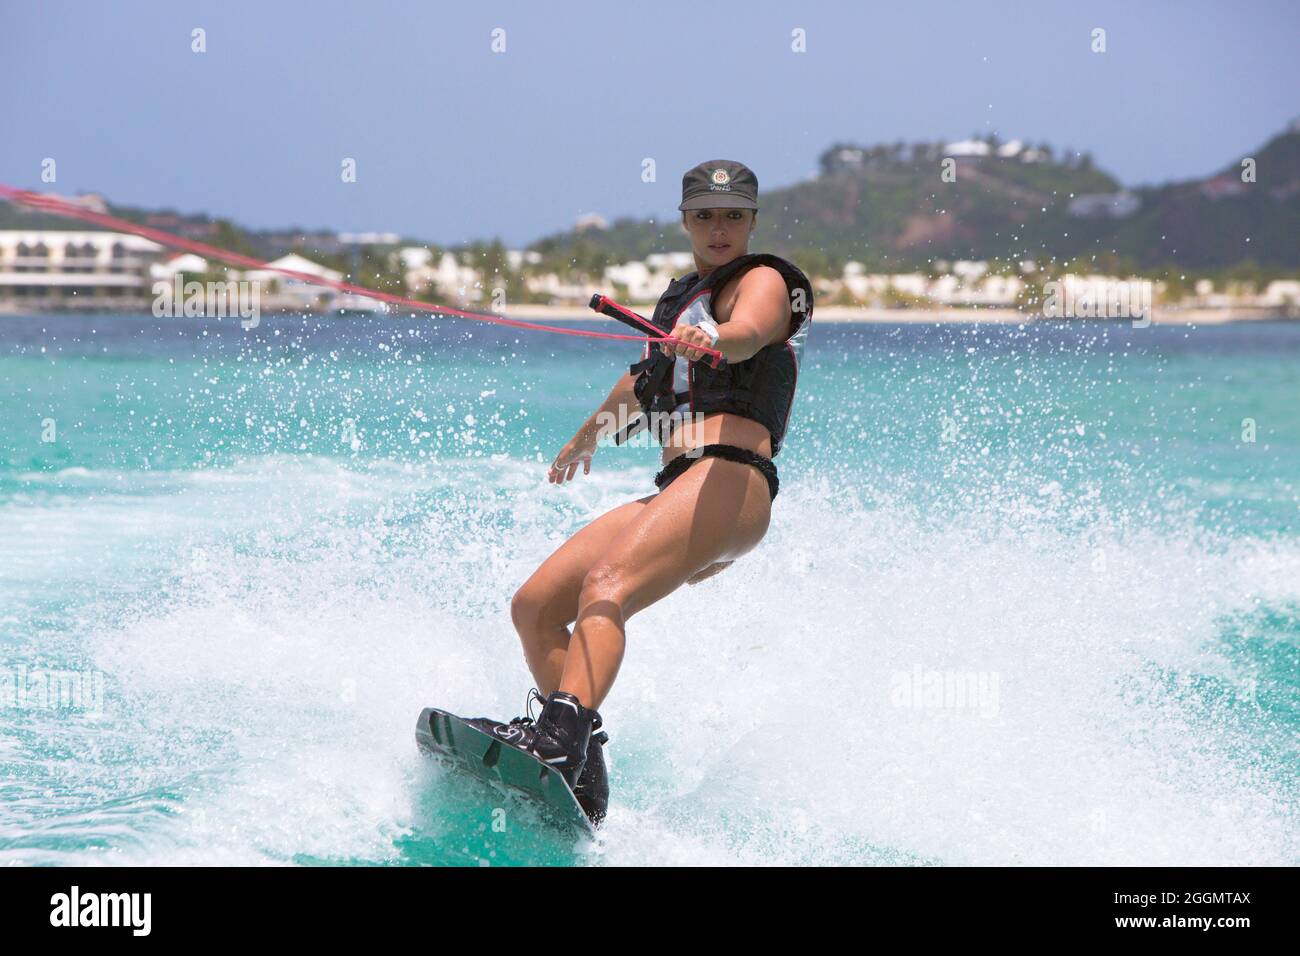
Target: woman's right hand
(577, 451)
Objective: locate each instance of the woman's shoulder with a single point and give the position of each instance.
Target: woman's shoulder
(761, 281)
(765, 289)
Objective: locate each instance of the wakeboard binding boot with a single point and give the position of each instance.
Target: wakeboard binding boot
(560, 736)
(592, 788)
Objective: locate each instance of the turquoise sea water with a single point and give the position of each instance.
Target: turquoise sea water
(269, 549)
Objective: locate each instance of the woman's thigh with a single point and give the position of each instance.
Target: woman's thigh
(715, 511)
(551, 592)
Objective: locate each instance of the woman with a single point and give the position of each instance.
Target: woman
(715, 491)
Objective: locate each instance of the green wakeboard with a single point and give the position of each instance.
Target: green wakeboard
(479, 755)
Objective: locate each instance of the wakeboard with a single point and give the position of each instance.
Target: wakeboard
(480, 755)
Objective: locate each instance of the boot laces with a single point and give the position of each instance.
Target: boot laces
(530, 720)
(598, 735)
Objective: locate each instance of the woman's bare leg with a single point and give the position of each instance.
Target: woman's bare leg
(714, 512)
(547, 603)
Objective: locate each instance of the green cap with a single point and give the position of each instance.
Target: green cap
(719, 183)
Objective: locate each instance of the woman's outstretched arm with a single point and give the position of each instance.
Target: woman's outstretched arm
(615, 412)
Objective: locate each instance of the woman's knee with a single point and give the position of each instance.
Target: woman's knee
(619, 592)
(528, 608)
(604, 582)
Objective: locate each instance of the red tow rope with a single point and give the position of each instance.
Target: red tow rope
(60, 207)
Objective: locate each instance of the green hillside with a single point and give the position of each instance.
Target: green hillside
(887, 206)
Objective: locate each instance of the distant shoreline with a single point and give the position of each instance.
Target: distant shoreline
(833, 314)
(855, 314)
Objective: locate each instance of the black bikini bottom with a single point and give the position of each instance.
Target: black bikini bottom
(729, 452)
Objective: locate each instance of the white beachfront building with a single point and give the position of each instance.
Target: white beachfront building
(965, 284)
(642, 283)
(672, 263)
(1281, 292)
(414, 257)
(646, 280)
(872, 287)
(516, 259)
(967, 147)
(560, 292)
(278, 291)
(184, 263)
(1098, 297)
(449, 279)
(63, 269)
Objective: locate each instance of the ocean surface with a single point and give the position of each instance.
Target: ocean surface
(1031, 595)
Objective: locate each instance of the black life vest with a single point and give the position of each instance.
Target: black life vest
(760, 388)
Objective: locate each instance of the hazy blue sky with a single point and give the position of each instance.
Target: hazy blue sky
(454, 142)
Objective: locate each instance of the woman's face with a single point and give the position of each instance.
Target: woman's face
(719, 235)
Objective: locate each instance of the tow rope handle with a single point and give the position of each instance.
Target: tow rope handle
(607, 306)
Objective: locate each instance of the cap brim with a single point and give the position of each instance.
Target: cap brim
(717, 201)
